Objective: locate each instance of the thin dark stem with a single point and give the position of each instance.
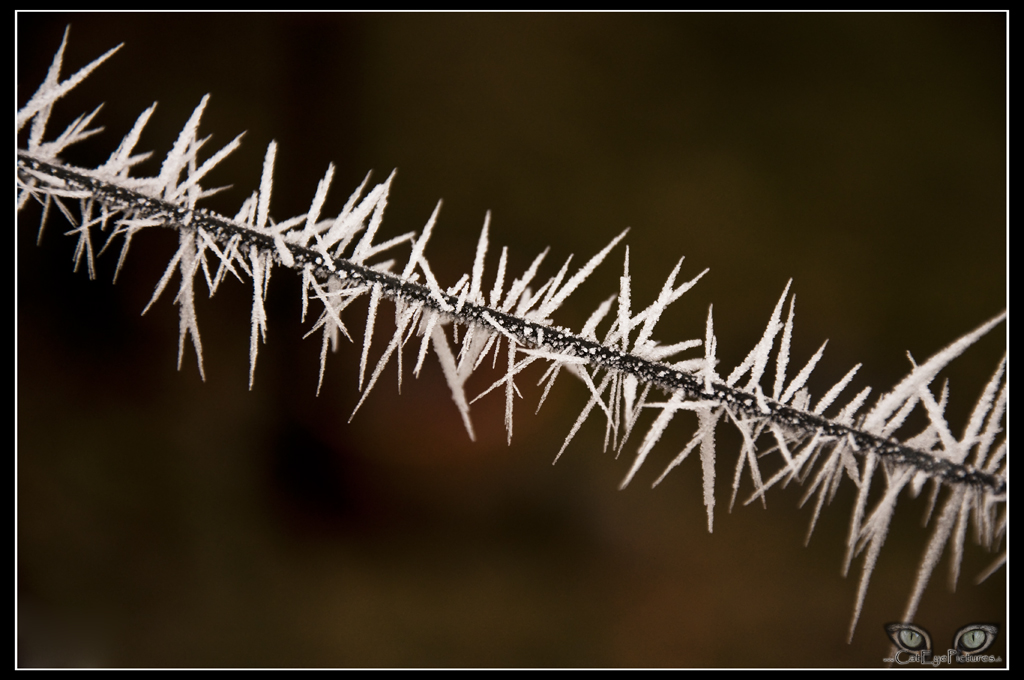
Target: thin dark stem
(119, 199)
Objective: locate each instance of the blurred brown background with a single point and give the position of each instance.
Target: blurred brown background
(167, 522)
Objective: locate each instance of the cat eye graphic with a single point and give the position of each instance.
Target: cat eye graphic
(973, 638)
(908, 637)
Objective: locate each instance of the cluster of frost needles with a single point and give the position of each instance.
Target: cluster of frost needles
(818, 442)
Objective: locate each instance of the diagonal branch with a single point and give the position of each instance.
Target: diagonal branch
(60, 179)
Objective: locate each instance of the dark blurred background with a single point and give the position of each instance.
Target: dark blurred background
(167, 522)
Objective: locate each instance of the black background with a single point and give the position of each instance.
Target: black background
(163, 521)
